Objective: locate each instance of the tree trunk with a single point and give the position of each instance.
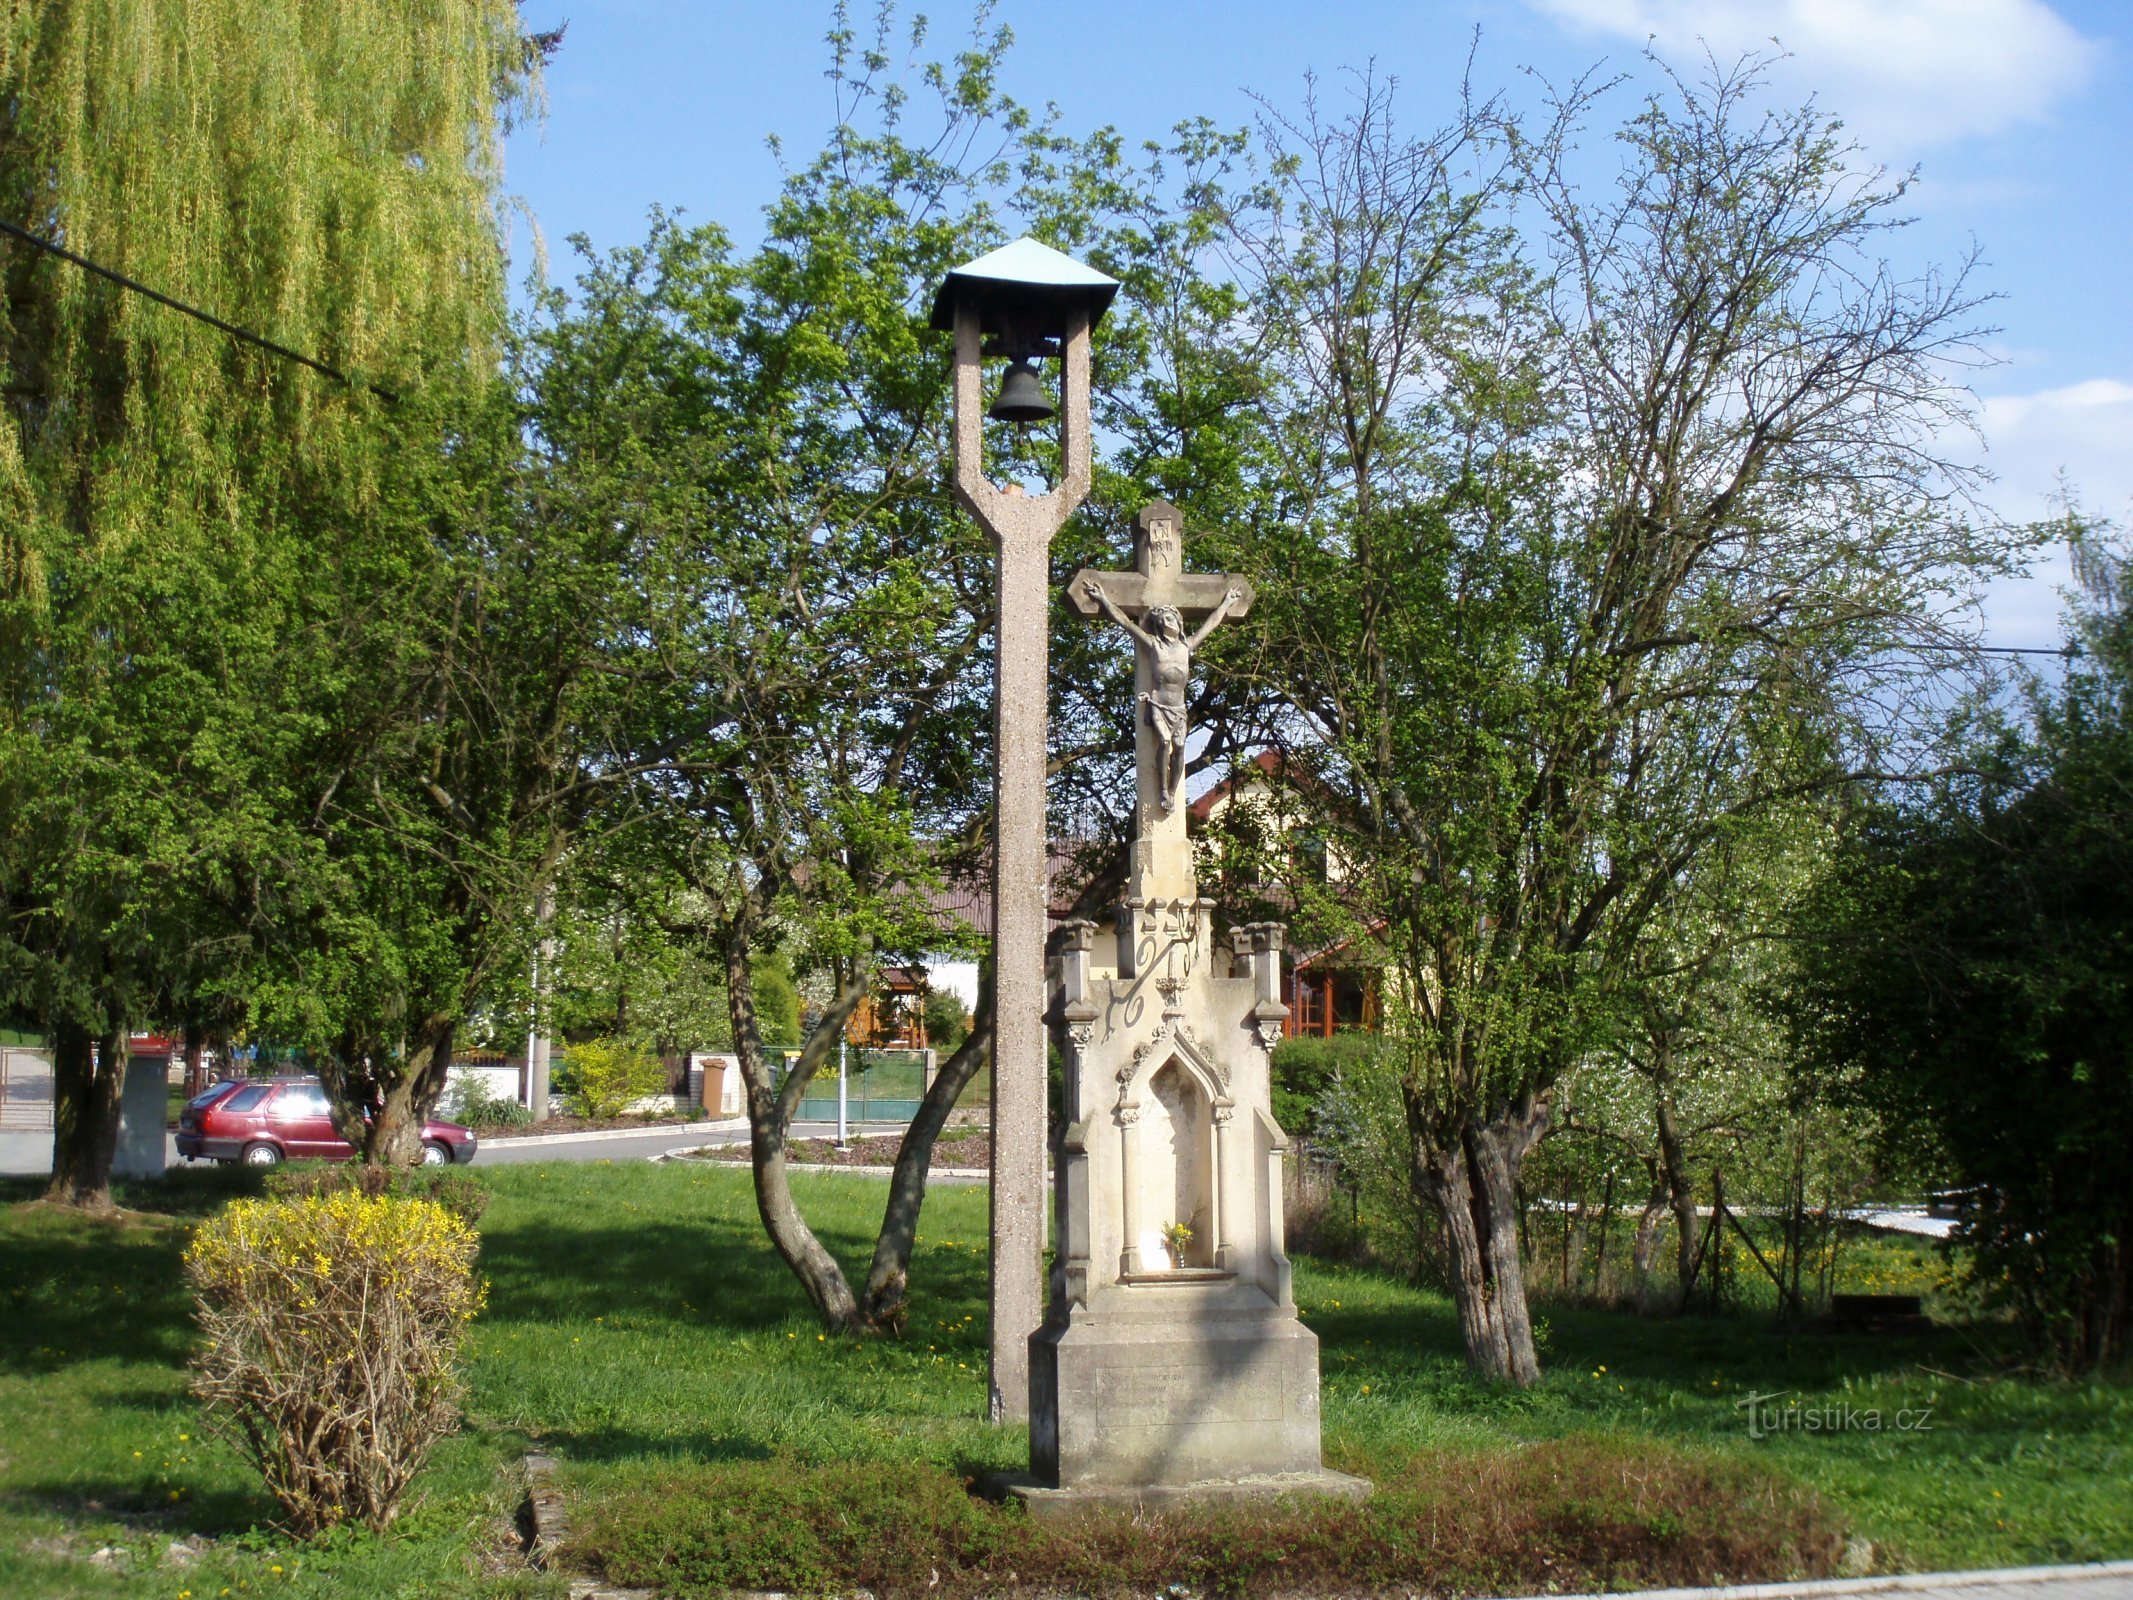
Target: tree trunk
(770, 1111)
(194, 1069)
(881, 1306)
(394, 1137)
(1680, 1188)
(1472, 1183)
(87, 1081)
(1607, 1222)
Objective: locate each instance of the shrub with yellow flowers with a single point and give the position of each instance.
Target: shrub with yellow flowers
(332, 1330)
(608, 1076)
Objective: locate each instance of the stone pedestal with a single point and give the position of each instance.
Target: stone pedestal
(1172, 1362)
(1198, 1385)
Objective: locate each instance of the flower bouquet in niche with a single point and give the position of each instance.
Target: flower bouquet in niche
(1177, 1236)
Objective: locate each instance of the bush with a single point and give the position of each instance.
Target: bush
(1359, 1122)
(473, 1103)
(947, 1022)
(332, 1326)
(454, 1188)
(1306, 1069)
(608, 1076)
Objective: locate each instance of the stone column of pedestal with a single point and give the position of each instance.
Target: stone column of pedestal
(1217, 1235)
(1129, 1259)
(1022, 527)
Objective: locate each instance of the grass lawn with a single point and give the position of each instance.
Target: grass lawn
(640, 1329)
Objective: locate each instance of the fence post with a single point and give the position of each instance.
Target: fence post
(844, 1134)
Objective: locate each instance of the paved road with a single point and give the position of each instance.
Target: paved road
(2103, 1580)
(28, 1153)
(642, 1146)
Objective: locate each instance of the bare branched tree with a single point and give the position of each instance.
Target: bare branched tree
(1604, 552)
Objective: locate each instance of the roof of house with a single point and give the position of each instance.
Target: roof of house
(968, 900)
(1265, 764)
(1324, 958)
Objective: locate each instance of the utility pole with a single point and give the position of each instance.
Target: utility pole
(537, 1037)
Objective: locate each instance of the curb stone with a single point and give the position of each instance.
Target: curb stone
(549, 1530)
(933, 1175)
(661, 1130)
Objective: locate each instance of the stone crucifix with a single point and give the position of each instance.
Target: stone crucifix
(1156, 603)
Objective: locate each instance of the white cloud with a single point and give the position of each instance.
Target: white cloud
(1903, 74)
(2083, 433)
(2076, 440)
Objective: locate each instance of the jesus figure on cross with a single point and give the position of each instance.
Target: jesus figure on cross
(1169, 656)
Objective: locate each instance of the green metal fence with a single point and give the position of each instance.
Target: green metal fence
(881, 1086)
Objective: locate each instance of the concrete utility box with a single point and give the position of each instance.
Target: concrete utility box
(144, 1113)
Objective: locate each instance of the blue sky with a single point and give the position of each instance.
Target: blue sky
(2018, 114)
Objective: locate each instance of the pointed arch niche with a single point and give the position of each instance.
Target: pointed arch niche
(1172, 1169)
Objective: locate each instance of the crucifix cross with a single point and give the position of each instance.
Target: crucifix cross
(1156, 603)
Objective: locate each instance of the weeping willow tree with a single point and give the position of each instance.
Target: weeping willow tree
(173, 499)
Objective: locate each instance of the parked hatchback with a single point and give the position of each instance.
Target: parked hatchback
(266, 1121)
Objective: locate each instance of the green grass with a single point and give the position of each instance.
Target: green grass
(638, 1325)
(2008, 1470)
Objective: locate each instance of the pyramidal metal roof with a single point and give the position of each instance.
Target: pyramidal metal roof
(1026, 270)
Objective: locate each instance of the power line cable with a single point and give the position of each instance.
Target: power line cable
(208, 317)
(2068, 650)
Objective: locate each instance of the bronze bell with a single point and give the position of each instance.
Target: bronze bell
(1022, 398)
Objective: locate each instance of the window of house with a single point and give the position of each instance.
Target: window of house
(1307, 849)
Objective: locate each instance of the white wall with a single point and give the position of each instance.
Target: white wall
(954, 975)
(500, 1078)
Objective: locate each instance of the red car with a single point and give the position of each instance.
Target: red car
(266, 1121)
